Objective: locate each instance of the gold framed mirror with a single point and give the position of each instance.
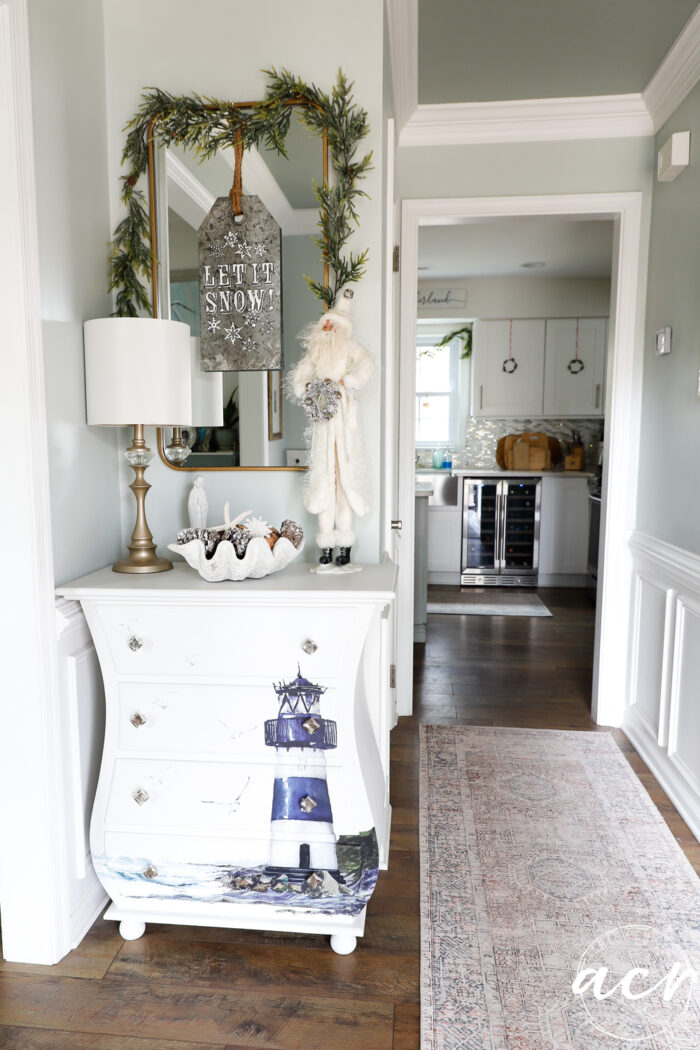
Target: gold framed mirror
(179, 189)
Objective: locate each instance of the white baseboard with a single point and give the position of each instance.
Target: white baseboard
(90, 907)
(563, 580)
(444, 579)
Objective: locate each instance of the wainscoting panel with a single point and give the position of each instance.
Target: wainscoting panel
(684, 729)
(647, 666)
(82, 721)
(662, 716)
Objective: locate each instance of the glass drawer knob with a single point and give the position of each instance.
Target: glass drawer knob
(151, 871)
(137, 720)
(309, 647)
(140, 796)
(135, 643)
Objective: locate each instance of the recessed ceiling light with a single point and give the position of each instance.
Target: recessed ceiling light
(533, 265)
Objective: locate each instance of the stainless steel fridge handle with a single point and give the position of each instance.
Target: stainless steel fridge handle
(498, 542)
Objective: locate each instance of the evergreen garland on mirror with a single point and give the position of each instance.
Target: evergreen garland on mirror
(206, 125)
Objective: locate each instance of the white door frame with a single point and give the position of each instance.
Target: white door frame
(622, 420)
(33, 874)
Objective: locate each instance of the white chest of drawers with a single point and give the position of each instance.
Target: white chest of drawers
(246, 722)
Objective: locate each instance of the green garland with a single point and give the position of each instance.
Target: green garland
(465, 336)
(206, 125)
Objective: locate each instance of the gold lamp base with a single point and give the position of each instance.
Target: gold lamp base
(142, 550)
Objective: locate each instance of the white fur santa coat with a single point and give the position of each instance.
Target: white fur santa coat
(334, 355)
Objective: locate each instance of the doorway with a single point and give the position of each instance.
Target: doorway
(622, 413)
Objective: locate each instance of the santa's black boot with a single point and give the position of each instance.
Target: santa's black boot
(326, 556)
(344, 556)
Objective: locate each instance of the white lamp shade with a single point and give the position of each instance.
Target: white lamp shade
(207, 392)
(137, 370)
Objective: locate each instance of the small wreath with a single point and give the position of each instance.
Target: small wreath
(321, 399)
(509, 365)
(575, 366)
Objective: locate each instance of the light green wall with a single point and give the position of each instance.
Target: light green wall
(595, 166)
(68, 103)
(220, 48)
(669, 490)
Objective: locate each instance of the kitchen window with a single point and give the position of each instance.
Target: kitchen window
(437, 389)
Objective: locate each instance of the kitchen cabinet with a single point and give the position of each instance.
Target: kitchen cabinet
(564, 525)
(444, 526)
(420, 561)
(245, 774)
(517, 390)
(545, 382)
(569, 389)
(444, 539)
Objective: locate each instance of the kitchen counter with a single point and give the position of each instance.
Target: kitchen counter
(485, 472)
(559, 472)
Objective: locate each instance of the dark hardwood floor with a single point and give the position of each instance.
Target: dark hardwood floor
(181, 988)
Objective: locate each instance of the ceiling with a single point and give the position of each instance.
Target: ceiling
(476, 51)
(569, 248)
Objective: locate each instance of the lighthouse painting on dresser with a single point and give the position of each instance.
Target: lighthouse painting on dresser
(301, 829)
(307, 861)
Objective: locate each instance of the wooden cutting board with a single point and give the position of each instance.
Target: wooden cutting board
(532, 450)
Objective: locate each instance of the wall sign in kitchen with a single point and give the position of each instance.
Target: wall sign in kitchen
(240, 288)
(442, 296)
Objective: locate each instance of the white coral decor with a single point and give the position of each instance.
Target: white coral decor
(257, 527)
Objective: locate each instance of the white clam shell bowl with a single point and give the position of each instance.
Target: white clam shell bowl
(258, 560)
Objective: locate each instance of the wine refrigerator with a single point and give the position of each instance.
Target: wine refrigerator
(500, 531)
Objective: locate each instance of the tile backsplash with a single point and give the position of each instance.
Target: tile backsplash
(482, 436)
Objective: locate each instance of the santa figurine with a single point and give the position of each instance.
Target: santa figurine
(325, 381)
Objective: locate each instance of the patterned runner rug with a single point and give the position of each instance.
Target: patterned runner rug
(557, 910)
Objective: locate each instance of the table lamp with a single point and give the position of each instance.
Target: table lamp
(207, 404)
(138, 368)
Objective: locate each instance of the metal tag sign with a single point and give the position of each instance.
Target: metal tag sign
(240, 289)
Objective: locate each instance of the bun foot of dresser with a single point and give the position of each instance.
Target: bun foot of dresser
(343, 943)
(132, 930)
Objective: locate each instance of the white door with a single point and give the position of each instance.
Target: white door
(390, 509)
(574, 367)
(508, 368)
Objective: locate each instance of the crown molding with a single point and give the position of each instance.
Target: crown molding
(677, 75)
(186, 194)
(402, 22)
(528, 120)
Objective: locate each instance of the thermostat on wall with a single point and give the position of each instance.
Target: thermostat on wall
(663, 341)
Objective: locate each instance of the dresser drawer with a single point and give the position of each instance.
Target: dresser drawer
(219, 797)
(191, 718)
(220, 641)
(122, 853)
